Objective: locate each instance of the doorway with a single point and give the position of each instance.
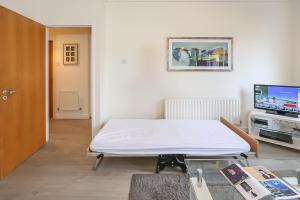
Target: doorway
(69, 53)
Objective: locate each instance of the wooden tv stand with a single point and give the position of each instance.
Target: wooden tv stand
(288, 125)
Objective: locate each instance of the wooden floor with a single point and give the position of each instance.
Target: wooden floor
(61, 170)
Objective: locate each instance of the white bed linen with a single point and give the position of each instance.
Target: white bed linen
(153, 137)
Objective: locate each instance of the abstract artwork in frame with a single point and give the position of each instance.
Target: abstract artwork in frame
(70, 54)
(200, 54)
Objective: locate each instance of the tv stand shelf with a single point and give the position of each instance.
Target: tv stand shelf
(281, 130)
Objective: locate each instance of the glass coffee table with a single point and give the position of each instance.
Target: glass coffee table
(213, 185)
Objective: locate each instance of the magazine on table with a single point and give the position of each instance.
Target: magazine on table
(257, 182)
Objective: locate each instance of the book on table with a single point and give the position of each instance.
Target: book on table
(257, 182)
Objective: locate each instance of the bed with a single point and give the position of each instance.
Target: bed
(171, 140)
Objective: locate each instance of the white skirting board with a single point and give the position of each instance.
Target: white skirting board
(65, 115)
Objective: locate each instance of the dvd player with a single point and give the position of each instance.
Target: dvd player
(261, 121)
(276, 135)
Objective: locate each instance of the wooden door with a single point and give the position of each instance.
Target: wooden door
(50, 78)
(22, 89)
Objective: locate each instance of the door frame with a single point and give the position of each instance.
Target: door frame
(50, 93)
(92, 74)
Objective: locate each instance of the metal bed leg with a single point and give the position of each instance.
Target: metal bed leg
(243, 156)
(246, 158)
(98, 161)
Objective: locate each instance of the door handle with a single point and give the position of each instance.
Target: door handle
(7, 92)
(4, 98)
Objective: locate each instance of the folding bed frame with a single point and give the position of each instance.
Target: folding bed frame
(177, 160)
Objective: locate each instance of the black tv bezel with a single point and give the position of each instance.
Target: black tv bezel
(283, 111)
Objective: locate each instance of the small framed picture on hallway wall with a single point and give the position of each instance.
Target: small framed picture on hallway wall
(70, 54)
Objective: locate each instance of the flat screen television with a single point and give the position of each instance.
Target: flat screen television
(276, 99)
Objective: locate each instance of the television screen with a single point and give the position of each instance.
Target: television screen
(277, 98)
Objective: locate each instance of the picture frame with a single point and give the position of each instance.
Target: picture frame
(200, 54)
(70, 53)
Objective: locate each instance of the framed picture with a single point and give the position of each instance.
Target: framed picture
(70, 54)
(200, 54)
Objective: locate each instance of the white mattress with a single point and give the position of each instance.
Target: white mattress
(153, 137)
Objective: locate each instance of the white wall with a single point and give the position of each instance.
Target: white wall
(137, 33)
(71, 77)
(296, 41)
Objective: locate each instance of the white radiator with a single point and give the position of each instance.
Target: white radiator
(69, 101)
(203, 109)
